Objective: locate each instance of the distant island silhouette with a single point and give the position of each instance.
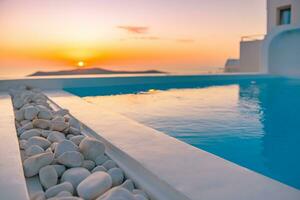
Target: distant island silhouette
(92, 71)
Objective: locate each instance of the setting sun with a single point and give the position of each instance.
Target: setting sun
(80, 64)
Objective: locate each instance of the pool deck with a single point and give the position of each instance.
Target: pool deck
(168, 168)
(12, 181)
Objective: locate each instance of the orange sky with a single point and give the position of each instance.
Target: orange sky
(184, 36)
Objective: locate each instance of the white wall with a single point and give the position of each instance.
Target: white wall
(250, 56)
(284, 53)
(272, 8)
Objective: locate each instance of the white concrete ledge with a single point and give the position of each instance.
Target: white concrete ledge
(12, 181)
(168, 168)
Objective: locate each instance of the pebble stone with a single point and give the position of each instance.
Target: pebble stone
(94, 185)
(91, 148)
(40, 141)
(71, 159)
(64, 146)
(33, 164)
(116, 175)
(48, 176)
(117, 193)
(75, 175)
(33, 150)
(109, 164)
(56, 189)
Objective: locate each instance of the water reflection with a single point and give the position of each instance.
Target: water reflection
(253, 124)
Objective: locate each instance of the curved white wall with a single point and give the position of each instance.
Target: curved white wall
(284, 53)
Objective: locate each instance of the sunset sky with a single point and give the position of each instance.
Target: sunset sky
(181, 36)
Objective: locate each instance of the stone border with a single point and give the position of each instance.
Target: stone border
(193, 173)
(12, 181)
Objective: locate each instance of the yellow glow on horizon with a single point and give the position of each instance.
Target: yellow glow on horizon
(80, 64)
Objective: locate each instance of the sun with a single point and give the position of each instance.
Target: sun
(80, 64)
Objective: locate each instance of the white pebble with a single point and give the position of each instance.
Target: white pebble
(77, 139)
(55, 136)
(30, 112)
(91, 148)
(117, 176)
(94, 185)
(74, 123)
(101, 159)
(41, 123)
(58, 125)
(109, 164)
(22, 144)
(48, 176)
(117, 193)
(71, 159)
(74, 131)
(40, 141)
(140, 192)
(34, 150)
(33, 164)
(30, 133)
(56, 189)
(64, 146)
(99, 169)
(60, 169)
(19, 115)
(75, 175)
(128, 184)
(88, 164)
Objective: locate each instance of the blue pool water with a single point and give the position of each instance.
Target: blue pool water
(253, 122)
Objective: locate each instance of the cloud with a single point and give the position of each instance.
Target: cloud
(135, 29)
(185, 40)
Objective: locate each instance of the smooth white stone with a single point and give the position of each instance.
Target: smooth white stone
(117, 176)
(48, 176)
(64, 146)
(22, 144)
(75, 123)
(128, 184)
(62, 112)
(60, 169)
(69, 136)
(41, 123)
(88, 164)
(18, 103)
(65, 198)
(30, 133)
(77, 139)
(25, 127)
(94, 185)
(140, 192)
(23, 122)
(19, 115)
(99, 169)
(58, 125)
(40, 141)
(33, 164)
(139, 197)
(117, 193)
(91, 148)
(45, 133)
(45, 114)
(58, 119)
(30, 112)
(55, 136)
(38, 196)
(71, 159)
(109, 164)
(53, 146)
(101, 159)
(75, 175)
(56, 189)
(63, 194)
(34, 150)
(74, 131)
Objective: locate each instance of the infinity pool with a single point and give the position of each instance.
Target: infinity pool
(254, 123)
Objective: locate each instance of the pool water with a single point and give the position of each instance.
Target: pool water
(254, 123)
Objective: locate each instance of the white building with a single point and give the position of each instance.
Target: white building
(277, 52)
